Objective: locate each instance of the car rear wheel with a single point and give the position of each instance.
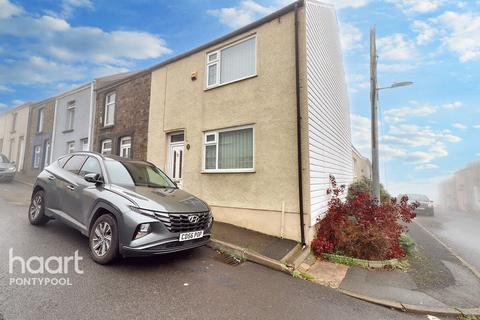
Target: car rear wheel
(104, 239)
(36, 211)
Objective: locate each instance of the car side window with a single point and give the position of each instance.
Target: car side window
(90, 166)
(62, 160)
(74, 164)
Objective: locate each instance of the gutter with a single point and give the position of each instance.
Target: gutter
(299, 129)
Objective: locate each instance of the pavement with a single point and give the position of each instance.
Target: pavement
(436, 279)
(188, 285)
(458, 230)
(271, 247)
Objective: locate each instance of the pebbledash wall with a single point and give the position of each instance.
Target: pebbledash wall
(39, 142)
(14, 134)
(265, 198)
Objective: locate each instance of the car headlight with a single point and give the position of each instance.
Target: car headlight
(146, 212)
(12, 169)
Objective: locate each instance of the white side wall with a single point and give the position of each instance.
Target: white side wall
(330, 150)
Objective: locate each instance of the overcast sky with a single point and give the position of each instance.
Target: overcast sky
(427, 131)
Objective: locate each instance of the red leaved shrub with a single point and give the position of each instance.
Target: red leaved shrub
(360, 227)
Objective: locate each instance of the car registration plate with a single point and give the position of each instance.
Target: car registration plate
(190, 235)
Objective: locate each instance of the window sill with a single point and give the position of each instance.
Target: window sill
(227, 83)
(67, 131)
(108, 126)
(229, 171)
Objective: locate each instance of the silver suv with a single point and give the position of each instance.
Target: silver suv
(125, 207)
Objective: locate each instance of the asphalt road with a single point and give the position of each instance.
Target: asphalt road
(189, 285)
(458, 230)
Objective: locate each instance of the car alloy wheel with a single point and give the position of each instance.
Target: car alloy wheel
(36, 206)
(102, 239)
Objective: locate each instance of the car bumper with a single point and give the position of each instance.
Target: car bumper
(7, 174)
(164, 247)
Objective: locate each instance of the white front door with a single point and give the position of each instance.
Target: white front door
(176, 157)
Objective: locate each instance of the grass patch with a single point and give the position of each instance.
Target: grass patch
(463, 317)
(351, 262)
(407, 243)
(238, 257)
(302, 275)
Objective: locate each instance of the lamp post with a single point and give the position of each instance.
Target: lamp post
(374, 104)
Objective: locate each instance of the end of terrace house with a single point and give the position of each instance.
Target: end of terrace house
(254, 122)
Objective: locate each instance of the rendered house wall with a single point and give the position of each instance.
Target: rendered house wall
(252, 200)
(82, 97)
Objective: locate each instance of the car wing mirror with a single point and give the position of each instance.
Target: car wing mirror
(94, 178)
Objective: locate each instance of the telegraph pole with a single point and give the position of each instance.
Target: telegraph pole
(373, 100)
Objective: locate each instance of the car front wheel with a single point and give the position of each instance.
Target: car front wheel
(36, 211)
(104, 239)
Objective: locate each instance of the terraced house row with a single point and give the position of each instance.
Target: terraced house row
(253, 122)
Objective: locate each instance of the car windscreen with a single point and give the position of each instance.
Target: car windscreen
(3, 159)
(130, 173)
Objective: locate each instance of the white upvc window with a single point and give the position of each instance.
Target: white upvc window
(41, 113)
(231, 63)
(107, 147)
(71, 147)
(125, 147)
(69, 124)
(36, 156)
(229, 150)
(109, 114)
(84, 144)
(47, 153)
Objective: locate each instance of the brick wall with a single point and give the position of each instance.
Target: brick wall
(132, 105)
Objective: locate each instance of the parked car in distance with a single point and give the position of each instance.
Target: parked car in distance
(124, 207)
(7, 169)
(425, 205)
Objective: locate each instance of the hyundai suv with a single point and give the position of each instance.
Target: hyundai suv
(125, 207)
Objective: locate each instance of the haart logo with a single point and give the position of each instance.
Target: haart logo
(35, 265)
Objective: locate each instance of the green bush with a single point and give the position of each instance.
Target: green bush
(407, 243)
(365, 186)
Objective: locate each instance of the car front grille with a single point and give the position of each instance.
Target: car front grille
(179, 222)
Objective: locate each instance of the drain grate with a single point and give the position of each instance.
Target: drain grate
(229, 259)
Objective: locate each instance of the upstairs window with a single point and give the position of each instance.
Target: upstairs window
(232, 63)
(41, 113)
(229, 150)
(70, 115)
(109, 114)
(14, 122)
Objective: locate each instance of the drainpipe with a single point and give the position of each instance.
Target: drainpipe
(299, 130)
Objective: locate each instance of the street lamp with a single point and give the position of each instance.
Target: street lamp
(374, 101)
(397, 84)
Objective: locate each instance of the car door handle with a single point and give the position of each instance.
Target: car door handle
(51, 178)
(70, 187)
